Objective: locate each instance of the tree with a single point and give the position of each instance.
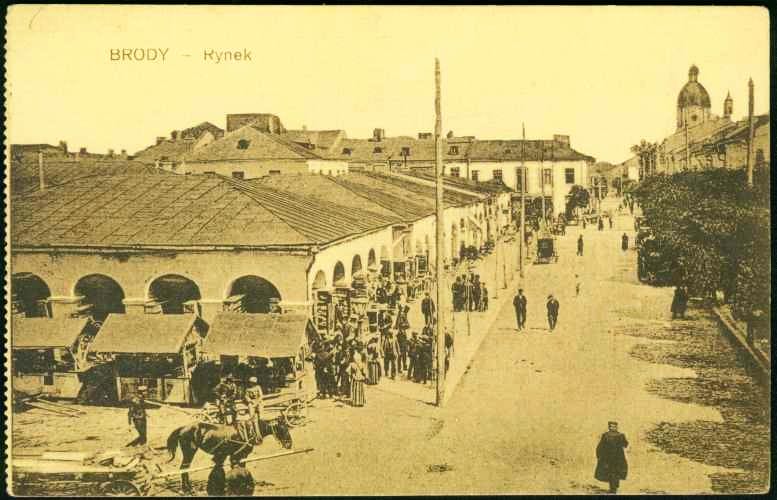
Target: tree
(646, 153)
(578, 198)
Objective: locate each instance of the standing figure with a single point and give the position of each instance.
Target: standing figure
(577, 285)
(601, 224)
(373, 361)
(390, 349)
(483, 297)
(610, 219)
(624, 242)
(225, 396)
(611, 465)
(676, 302)
(519, 303)
(475, 300)
(428, 309)
(356, 371)
(402, 342)
(553, 307)
(580, 245)
(254, 398)
(137, 417)
(412, 354)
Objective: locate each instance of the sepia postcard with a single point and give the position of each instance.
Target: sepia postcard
(387, 250)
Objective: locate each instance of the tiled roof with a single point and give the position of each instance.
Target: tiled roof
(174, 210)
(260, 146)
(24, 174)
(143, 333)
(741, 128)
(492, 186)
(529, 150)
(196, 131)
(259, 335)
(390, 148)
(29, 333)
(323, 139)
(166, 150)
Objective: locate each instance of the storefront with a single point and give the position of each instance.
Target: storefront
(46, 357)
(159, 351)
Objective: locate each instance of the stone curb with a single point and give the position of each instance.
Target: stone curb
(740, 337)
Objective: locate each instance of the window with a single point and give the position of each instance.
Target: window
(453, 150)
(547, 176)
(497, 175)
(347, 151)
(275, 172)
(405, 151)
(238, 175)
(455, 172)
(475, 174)
(243, 144)
(569, 175)
(377, 150)
(519, 175)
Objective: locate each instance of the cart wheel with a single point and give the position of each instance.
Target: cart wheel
(120, 488)
(295, 414)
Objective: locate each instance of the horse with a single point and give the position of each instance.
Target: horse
(221, 441)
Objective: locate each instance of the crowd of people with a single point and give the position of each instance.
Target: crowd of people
(469, 293)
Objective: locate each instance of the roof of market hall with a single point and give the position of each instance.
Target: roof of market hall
(166, 210)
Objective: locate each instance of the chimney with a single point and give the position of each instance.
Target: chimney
(63, 146)
(174, 135)
(159, 140)
(424, 135)
(562, 139)
(378, 134)
(450, 134)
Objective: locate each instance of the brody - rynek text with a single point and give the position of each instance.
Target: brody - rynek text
(226, 55)
(139, 54)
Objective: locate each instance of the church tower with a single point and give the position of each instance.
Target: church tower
(728, 106)
(693, 102)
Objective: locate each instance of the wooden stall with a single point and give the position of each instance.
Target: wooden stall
(46, 359)
(159, 351)
(249, 341)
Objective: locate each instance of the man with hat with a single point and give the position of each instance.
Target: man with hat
(137, 416)
(225, 393)
(611, 465)
(552, 306)
(519, 304)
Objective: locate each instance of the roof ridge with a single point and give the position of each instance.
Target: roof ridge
(291, 145)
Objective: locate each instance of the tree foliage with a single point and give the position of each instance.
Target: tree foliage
(578, 197)
(714, 233)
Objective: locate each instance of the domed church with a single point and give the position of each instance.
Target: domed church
(693, 102)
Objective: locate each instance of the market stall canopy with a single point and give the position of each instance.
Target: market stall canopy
(43, 333)
(259, 335)
(143, 333)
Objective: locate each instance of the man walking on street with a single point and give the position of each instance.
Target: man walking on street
(427, 307)
(624, 242)
(519, 303)
(580, 245)
(611, 465)
(390, 354)
(552, 306)
(137, 417)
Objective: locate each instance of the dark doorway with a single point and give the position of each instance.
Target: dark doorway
(29, 294)
(103, 293)
(172, 291)
(258, 294)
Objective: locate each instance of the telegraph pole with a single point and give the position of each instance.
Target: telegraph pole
(750, 132)
(438, 169)
(523, 200)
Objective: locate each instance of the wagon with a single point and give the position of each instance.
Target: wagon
(546, 251)
(109, 474)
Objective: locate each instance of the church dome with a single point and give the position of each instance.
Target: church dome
(693, 93)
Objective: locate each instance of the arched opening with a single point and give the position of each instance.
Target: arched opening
(338, 277)
(356, 264)
(319, 282)
(259, 294)
(172, 291)
(371, 258)
(103, 293)
(29, 294)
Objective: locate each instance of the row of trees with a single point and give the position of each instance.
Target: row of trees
(713, 233)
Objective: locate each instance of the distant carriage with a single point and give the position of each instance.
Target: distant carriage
(546, 250)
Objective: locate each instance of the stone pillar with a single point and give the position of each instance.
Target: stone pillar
(134, 306)
(64, 306)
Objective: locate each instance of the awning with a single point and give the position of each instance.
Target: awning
(45, 333)
(258, 335)
(143, 333)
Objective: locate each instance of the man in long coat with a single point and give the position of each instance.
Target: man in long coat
(580, 245)
(428, 308)
(611, 465)
(519, 303)
(552, 306)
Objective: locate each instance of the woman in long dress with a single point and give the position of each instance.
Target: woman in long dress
(356, 371)
(373, 362)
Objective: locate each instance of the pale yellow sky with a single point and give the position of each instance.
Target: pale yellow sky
(606, 76)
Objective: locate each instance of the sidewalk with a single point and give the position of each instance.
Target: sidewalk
(466, 343)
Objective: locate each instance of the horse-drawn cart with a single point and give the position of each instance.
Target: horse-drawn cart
(546, 250)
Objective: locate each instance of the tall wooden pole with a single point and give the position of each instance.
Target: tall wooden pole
(750, 132)
(441, 288)
(524, 178)
(41, 176)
